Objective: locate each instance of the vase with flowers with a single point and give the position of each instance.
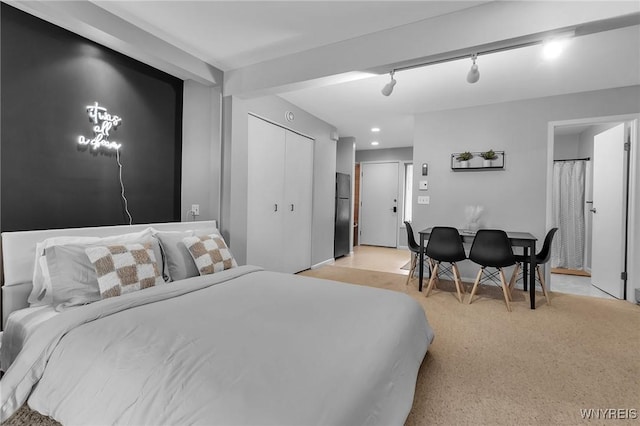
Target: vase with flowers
(472, 214)
(488, 156)
(464, 158)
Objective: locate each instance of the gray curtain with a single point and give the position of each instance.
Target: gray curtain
(568, 214)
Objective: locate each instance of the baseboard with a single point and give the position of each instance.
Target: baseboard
(576, 272)
(321, 264)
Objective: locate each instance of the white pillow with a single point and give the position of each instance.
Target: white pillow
(73, 275)
(210, 253)
(178, 262)
(125, 268)
(41, 293)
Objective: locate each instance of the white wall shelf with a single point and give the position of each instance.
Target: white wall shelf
(477, 163)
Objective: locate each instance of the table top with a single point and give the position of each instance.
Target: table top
(514, 235)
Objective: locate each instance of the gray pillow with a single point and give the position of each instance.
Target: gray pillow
(73, 276)
(179, 262)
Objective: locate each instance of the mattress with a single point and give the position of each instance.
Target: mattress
(242, 346)
(19, 326)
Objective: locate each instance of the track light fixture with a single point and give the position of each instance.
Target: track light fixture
(516, 43)
(388, 88)
(474, 75)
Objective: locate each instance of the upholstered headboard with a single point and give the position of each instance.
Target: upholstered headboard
(19, 247)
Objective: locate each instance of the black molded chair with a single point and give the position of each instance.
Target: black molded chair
(445, 245)
(542, 257)
(491, 248)
(415, 251)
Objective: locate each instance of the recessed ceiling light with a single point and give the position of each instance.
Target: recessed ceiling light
(375, 129)
(374, 143)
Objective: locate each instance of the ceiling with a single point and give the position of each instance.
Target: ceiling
(234, 34)
(593, 62)
(231, 35)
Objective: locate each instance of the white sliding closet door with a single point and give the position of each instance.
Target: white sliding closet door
(279, 197)
(265, 194)
(298, 196)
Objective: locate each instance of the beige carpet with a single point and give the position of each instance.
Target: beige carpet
(528, 367)
(487, 366)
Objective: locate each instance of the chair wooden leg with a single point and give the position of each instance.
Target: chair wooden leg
(475, 285)
(505, 290)
(412, 268)
(434, 274)
(514, 277)
(509, 295)
(456, 277)
(544, 287)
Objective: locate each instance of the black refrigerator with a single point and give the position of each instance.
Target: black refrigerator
(343, 215)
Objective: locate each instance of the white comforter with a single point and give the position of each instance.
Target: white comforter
(243, 346)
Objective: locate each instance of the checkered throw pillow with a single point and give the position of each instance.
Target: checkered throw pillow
(210, 253)
(124, 268)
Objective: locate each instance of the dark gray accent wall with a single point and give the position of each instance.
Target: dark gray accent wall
(48, 77)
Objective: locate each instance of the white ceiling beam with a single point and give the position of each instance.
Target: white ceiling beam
(95, 23)
(382, 51)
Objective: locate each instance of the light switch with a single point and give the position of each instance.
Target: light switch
(424, 185)
(424, 199)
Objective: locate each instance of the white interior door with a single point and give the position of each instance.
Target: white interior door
(379, 204)
(298, 202)
(608, 211)
(265, 203)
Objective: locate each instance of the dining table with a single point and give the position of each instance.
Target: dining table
(526, 240)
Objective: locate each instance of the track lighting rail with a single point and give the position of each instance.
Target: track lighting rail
(509, 44)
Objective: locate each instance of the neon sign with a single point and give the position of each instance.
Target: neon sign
(103, 124)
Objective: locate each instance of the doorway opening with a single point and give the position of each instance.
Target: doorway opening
(590, 198)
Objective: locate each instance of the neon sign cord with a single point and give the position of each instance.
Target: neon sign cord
(126, 204)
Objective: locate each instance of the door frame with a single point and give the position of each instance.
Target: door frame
(399, 189)
(633, 202)
(403, 228)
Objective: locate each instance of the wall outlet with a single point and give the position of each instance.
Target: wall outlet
(195, 209)
(424, 199)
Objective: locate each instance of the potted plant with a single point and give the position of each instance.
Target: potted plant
(464, 158)
(488, 156)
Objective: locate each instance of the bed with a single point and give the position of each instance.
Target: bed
(240, 345)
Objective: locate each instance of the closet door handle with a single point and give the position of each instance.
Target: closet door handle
(275, 209)
(291, 207)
